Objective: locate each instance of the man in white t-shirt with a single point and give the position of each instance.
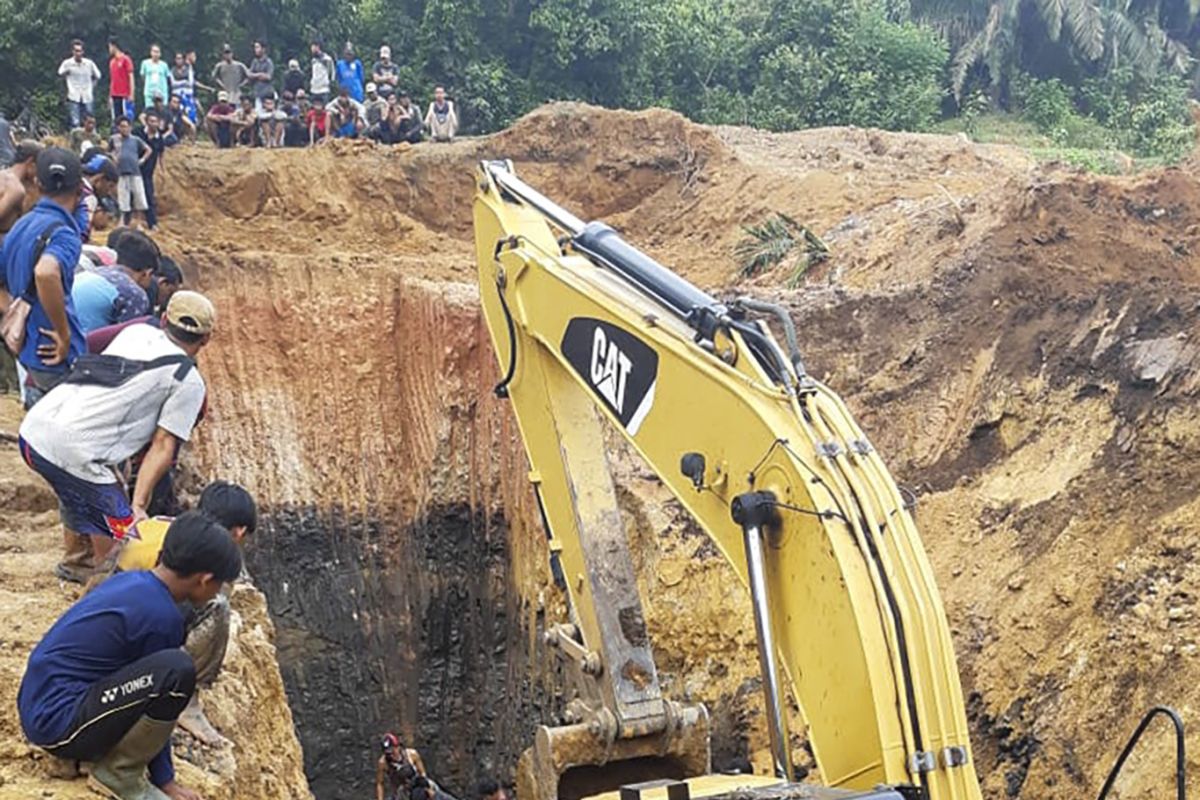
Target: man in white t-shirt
(84, 428)
(81, 74)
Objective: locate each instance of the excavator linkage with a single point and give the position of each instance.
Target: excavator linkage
(592, 335)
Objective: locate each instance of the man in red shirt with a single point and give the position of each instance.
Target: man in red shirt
(120, 83)
(315, 119)
(219, 121)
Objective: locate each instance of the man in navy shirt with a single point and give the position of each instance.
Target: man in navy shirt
(110, 678)
(53, 338)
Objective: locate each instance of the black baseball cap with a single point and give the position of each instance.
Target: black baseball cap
(197, 543)
(58, 170)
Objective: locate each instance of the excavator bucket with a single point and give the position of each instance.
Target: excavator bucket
(571, 762)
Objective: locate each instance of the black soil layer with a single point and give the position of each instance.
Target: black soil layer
(422, 618)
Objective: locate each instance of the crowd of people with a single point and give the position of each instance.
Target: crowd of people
(256, 104)
(105, 340)
(253, 105)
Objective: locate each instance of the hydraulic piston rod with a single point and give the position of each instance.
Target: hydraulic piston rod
(753, 511)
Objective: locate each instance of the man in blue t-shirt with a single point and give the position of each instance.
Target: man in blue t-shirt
(39, 256)
(350, 73)
(109, 680)
(108, 295)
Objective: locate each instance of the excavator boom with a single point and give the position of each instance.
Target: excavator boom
(766, 459)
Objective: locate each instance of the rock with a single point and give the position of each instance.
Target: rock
(1176, 614)
(1153, 360)
(1016, 582)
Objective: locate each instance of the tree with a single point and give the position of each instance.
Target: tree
(1103, 34)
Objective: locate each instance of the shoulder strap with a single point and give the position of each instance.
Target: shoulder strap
(185, 364)
(39, 247)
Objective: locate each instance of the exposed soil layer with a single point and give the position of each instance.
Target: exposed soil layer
(1018, 341)
(386, 617)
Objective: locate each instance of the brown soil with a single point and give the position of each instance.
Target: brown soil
(1017, 340)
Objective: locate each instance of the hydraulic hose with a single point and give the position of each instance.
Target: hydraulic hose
(789, 328)
(1180, 759)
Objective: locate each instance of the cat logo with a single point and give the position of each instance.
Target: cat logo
(620, 368)
(610, 370)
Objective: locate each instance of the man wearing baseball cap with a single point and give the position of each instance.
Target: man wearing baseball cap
(144, 389)
(219, 120)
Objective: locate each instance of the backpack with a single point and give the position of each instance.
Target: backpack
(97, 369)
(15, 318)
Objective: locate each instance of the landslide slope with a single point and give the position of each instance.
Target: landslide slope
(1017, 340)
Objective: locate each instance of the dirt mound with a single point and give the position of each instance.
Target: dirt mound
(1018, 341)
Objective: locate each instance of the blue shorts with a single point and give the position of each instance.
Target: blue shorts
(95, 509)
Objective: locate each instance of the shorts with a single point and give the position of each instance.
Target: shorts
(131, 193)
(93, 509)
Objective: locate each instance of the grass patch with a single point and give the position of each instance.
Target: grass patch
(1080, 145)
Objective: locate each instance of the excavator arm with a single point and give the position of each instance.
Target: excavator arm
(765, 458)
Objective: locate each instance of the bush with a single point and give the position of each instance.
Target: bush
(846, 64)
(1160, 124)
(1046, 104)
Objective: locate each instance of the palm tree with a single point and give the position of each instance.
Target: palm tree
(1114, 32)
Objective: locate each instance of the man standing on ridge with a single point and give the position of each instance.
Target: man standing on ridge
(350, 73)
(323, 75)
(120, 83)
(230, 75)
(81, 74)
(261, 75)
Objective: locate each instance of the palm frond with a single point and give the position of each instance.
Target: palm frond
(976, 49)
(1086, 23)
(1053, 12)
(1130, 42)
(770, 242)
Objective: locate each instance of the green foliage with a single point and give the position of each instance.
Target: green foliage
(1108, 72)
(1046, 104)
(1146, 115)
(845, 63)
(767, 244)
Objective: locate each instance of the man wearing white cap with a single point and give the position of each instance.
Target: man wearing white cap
(145, 388)
(219, 120)
(385, 73)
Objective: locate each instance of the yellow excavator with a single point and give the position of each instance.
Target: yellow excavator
(771, 465)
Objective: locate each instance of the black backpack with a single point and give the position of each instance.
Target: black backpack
(97, 369)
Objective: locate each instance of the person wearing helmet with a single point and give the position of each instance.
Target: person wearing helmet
(397, 770)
